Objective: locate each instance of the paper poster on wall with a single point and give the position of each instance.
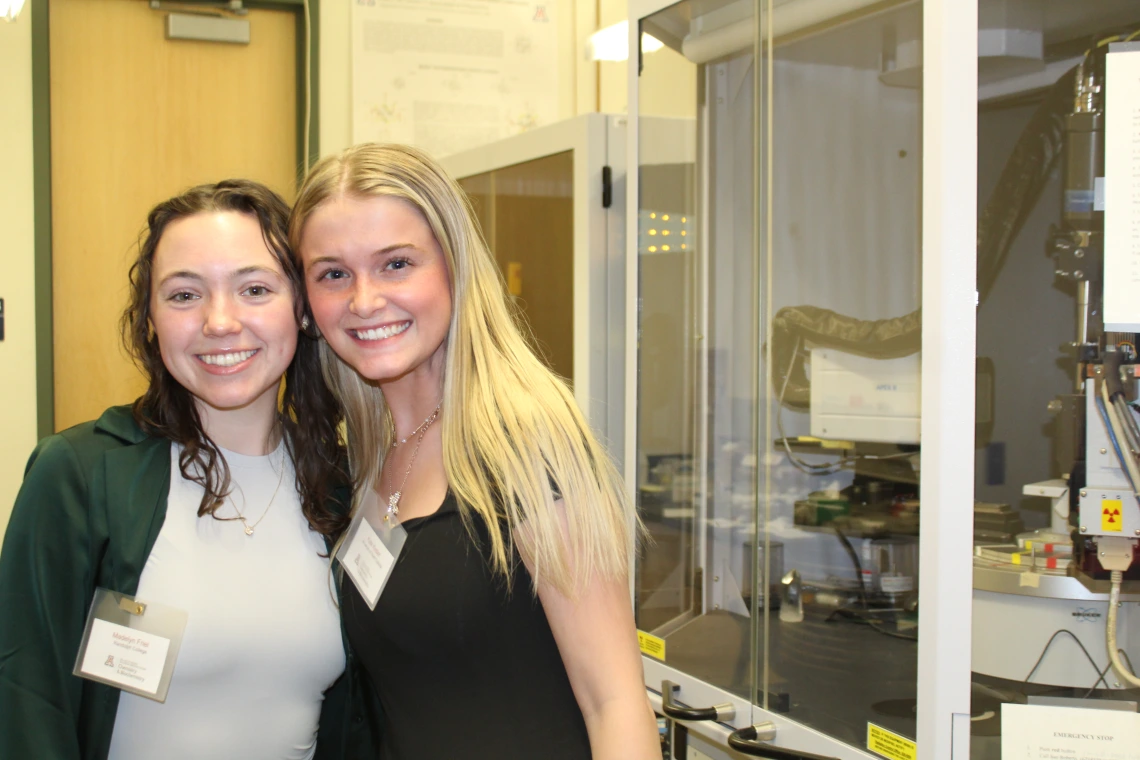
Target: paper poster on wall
(449, 75)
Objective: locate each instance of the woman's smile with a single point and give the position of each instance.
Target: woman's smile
(379, 287)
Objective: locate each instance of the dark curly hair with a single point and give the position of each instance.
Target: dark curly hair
(167, 409)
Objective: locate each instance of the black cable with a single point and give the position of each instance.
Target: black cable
(1045, 651)
(1100, 679)
(1104, 672)
(855, 561)
(865, 617)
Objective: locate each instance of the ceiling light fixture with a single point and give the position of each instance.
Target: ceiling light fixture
(612, 43)
(10, 9)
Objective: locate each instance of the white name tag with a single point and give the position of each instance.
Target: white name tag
(130, 644)
(369, 553)
(125, 656)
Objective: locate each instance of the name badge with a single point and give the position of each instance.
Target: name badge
(130, 644)
(370, 549)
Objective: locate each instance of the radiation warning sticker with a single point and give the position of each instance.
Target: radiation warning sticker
(651, 645)
(889, 744)
(1111, 519)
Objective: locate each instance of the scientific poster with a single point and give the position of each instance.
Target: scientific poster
(449, 75)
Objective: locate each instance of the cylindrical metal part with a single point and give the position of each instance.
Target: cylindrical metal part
(1084, 162)
(1083, 311)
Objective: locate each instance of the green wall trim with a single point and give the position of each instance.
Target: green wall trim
(314, 146)
(41, 168)
(314, 75)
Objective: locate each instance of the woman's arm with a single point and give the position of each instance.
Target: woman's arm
(598, 642)
(42, 578)
(597, 639)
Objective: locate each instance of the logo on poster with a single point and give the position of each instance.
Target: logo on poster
(540, 14)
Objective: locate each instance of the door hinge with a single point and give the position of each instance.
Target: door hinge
(607, 187)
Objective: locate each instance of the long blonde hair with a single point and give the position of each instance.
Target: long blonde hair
(511, 428)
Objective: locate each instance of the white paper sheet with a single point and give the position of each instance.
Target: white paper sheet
(1122, 192)
(1035, 732)
(125, 656)
(368, 562)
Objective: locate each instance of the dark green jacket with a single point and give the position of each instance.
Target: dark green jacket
(89, 511)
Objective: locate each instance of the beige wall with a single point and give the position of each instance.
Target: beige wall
(335, 76)
(17, 273)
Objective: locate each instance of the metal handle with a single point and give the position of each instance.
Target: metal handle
(725, 711)
(752, 740)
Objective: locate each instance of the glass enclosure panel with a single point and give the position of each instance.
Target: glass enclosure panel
(1051, 491)
(779, 358)
(839, 484)
(527, 215)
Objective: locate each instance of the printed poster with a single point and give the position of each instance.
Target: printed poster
(449, 75)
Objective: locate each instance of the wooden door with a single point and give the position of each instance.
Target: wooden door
(136, 118)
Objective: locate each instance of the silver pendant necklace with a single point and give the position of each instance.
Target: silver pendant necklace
(394, 499)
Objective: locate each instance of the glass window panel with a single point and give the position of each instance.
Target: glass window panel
(527, 215)
(840, 481)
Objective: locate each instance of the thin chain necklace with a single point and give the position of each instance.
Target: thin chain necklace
(248, 527)
(423, 426)
(394, 500)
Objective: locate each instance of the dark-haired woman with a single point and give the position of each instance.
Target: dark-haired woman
(204, 497)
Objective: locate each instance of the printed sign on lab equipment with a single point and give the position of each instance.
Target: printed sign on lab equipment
(447, 77)
(1040, 732)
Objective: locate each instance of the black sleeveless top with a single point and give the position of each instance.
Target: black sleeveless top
(463, 668)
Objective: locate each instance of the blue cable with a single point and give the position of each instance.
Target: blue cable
(1112, 437)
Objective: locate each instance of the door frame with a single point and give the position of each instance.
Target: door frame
(305, 10)
(597, 256)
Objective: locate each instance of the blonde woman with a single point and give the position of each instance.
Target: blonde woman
(505, 628)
